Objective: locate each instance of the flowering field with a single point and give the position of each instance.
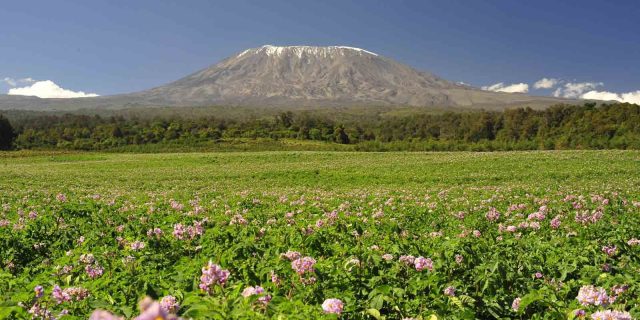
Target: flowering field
(300, 235)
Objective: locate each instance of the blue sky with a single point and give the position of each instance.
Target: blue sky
(109, 47)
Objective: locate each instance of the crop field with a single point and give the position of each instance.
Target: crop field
(305, 235)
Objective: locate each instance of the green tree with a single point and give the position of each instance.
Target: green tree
(340, 135)
(7, 134)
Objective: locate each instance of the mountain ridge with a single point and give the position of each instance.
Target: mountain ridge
(308, 76)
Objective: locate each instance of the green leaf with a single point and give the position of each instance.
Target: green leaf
(374, 313)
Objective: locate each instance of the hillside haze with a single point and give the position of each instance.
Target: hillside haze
(300, 76)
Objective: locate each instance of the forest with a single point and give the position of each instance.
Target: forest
(588, 126)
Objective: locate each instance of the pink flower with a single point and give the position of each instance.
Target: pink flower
(459, 259)
(450, 291)
(387, 257)
(250, 291)
(515, 305)
(408, 259)
(94, 271)
(274, 278)
(333, 306)
(39, 291)
(555, 222)
(104, 315)
(611, 315)
(175, 205)
(493, 215)
(265, 299)
(303, 265)
(213, 274)
(38, 312)
(153, 312)
(157, 232)
(291, 255)
(169, 304)
(422, 263)
(61, 197)
(178, 231)
(137, 245)
(590, 295)
(610, 250)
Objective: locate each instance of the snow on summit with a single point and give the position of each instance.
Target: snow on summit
(271, 50)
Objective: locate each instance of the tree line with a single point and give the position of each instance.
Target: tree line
(608, 126)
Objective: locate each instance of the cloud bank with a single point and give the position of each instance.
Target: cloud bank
(546, 83)
(629, 97)
(511, 88)
(14, 82)
(45, 89)
(573, 90)
(569, 90)
(587, 90)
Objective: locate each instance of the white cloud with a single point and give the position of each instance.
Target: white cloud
(10, 81)
(48, 89)
(14, 82)
(545, 83)
(575, 90)
(630, 97)
(511, 88)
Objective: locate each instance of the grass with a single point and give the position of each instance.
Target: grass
(257, 171)
(58, 207)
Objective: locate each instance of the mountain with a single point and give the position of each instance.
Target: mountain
(301, 76)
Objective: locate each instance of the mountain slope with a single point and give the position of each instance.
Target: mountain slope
(305, 76)
(315, 76)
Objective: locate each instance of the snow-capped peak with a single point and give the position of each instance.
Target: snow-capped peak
(271, 50)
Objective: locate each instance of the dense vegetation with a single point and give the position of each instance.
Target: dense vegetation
(7, 134)
(614, 126)
(518, 235)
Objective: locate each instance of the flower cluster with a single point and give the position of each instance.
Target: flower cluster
(169, 304)
(94, 270)
(181, 232)
(290, 255)
(149, 310)
(332, 306)
(69, 294)
(450, 291)
(157, 232)
(407, 259)
(39, 291)
(610, 250)
(515, 305)
(611, 315)
(421, 263)
(555, 222)
(303, 265)
(212, 275)
(137, 245)
(493, 214)
(257, 291)
(590, 295)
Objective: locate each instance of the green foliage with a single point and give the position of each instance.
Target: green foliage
(7, 134)
(614, 126)
(370, 204)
